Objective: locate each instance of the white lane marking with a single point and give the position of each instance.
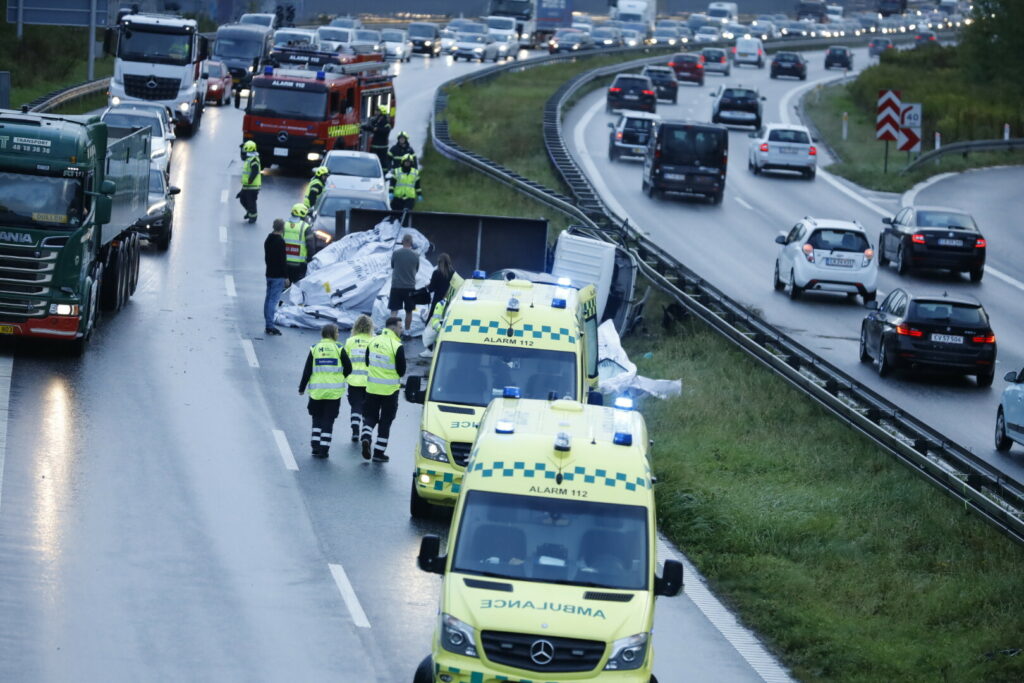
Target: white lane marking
(6, 368)
(743, 202)
(223, 230)
(910, 196)
(348, 594)
(229, 285)
(1005, 278)
(740, 637)
(250, 353)
(223, 196)
(285, 450)
(585, 160)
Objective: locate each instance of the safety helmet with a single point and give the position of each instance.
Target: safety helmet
(407, 160)
(300, 210)
(249, 146)
(403, 134)
(321, 171)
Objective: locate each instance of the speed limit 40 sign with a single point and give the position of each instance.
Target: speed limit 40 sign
(911, 115)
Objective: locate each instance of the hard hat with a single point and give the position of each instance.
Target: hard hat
(321, 171)
(249, 146)
(403, 134)
(406, 160)
(300, 210)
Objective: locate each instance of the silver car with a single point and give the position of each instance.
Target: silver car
(716, 60)
(333, 39)
(778, 147)
(127, 117)
(397, 45)
(470, 46)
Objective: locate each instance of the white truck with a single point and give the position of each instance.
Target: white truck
(637, 15)
(724, 12)
(159, 58)
(523, 14)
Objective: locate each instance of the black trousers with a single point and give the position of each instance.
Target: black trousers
(403, 204)
(356, 400)
(323, 412)
(382, 153)
(379, 411)
(296, 271)
(248, 200)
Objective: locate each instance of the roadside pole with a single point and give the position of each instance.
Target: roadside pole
(21, 18)
(91, 40)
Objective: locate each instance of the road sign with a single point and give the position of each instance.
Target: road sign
(909, 140)
(887, 118)
(56, 12)
(912, 115)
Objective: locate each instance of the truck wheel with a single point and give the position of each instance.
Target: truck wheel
(124, 273)
(109, 284)
(425, 671)
(136, 258)
(418, 508)
(164, 241)
(92, 319)
(193, 127)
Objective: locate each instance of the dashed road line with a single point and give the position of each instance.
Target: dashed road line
(250, 353)
(229, 285)
(285, 450)
(743, 202)
(223, 230)
(348, 594)
(223, 196)
(6, 368)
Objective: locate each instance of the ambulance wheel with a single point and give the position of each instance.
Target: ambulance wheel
(418, 508)
(425, 671)
(653, 679)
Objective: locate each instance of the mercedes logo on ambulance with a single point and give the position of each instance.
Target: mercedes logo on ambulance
(542, 652)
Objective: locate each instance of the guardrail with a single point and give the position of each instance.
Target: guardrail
(943, 462)
(59, 98)
(965, 147)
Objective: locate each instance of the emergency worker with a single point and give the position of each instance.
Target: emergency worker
(379, 127)
(355, 349)
(316, 186)
(405, 187)
(385, 360)
(327, 365)
(252, 179)
(402, 149)
(296, 235)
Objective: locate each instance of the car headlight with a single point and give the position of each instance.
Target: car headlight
(158, 152)
(458, 636)
(215, 86)
(250, 68)
(63, 309)
(478, 49)
(628, 653)
(184, 106)
(156, 208)
(433, 447)
(115, 100)
(313, 156)
(244, 92)
(323, 236)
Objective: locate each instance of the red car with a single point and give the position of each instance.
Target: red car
(218, 85)
(688, 67)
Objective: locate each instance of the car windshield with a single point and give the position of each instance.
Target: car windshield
(372, 36)
(718, 13)
(473, 374)
(292, 38)
(693, 146)
(501, 23)
(360, 167)
(156, 181)
(946, 311)
(708, 31)
(35, 200)
(215, 70)
(392, 36)
(553, 540)
(838, 240)
(332, 204)
(473, 28)
(567, 33)
(797, 136)
(339, 35)
(288, 104)
(666, 33)
(630, 82)
(125, 120)
(472, 38)
(945, 219)
(140, 45)
(237, 48)
(421, 31)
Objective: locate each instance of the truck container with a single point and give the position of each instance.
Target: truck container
(551, 16)
(70, 199)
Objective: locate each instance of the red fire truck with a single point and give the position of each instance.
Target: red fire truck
(305, 103)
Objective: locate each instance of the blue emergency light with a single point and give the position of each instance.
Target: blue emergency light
(622, 439)
(563, 442)
(510, 392)
(557, 303)
(513, 305)
(479, 274)
(321, 75)
(268, 70)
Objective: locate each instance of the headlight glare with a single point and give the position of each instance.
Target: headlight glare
(433, 447)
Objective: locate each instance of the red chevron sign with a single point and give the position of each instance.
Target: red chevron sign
(887, 118)
(909, 140)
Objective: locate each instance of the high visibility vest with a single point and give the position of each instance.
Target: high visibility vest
(438, 317)
(313, 190)
(382, 377)
(295, 241)
(405, 183)
(247, 167)
(355, 347)
(328, 379)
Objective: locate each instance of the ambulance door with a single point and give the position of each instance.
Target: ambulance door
(588, 323)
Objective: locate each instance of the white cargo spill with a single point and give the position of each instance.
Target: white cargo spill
(585, 261)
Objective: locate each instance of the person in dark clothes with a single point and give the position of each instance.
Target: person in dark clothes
(277, 274)
(327, 366)
(385, 366)
(440, 281)
(405, 263)
(379, 127)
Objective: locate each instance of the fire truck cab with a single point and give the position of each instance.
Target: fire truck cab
(305, 103)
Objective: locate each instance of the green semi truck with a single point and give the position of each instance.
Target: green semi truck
(70, 200)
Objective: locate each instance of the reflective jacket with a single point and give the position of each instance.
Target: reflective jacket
(406, 185)
(249, 181)
(295, 241)
(313, 190)
(399, 151)
(328, 378)
(382, 374)
(355, 348)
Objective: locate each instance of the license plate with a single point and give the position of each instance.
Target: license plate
(944, 242)
(948, 338)
(787, 150)
(280, 151)
(842, 262)
(7, 329)
(746, 54)
(675, 176)
(632, 97)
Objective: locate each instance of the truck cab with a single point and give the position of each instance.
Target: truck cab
(493, 334)
(159, 58)
(550, 572)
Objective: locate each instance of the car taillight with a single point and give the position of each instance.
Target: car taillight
(931, 37)
(700, 65)
(722, 60)
(614, 89)
(980, 244)
(760, 52)
(868, 255)
(917, 238)
(648, 92)
(908, 331)
(734, 49)
(809, 253)
(763, 147)
(672, 64)
(984, 339)
(813, 151)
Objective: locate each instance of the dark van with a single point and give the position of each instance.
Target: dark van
(425, 37)
(687, 157)
(241, 47)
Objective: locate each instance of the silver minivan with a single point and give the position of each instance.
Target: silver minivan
(748, 51)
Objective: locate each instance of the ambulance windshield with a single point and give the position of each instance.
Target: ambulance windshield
(553, 540)
(473, 374)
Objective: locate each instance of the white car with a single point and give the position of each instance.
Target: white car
(396, 44)
(479, 46)
(333, 200)
(296, 37)
(126, 116)
(748, 51)
(707, 34)
(1010, 414)
(780, 147)
(334, 39)
(508, 45)
(353, 171)
(826, 255)
(447, 41)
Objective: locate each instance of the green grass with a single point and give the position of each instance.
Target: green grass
(862, 156)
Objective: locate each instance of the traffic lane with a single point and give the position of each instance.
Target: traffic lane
(733, 247)
(146, 525)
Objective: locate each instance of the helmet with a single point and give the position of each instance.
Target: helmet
(300, 210)
(321, 171)
(407, 161)
(405, 135)
(249, 146)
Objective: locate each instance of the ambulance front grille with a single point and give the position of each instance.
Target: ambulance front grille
(567, 654)
(460, 452)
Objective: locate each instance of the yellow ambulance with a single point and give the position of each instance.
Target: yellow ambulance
(550, 569)
(540, 337)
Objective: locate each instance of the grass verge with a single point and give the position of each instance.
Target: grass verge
(863, 157)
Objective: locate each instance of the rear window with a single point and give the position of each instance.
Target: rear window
(631, 82)
(945, 219)
(214, 69)
(838, 240)
(946, 311)
(837, 50)
(685, 58)
(692, 146)
(638, 124)
(796, 136)
(714, 53)
(739, 94)
(785, 57)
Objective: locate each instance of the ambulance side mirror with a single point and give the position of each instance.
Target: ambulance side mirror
(431, 560)
(414, 389)
(669, 584)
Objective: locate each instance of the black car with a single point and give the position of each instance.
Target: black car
(688, 67)
(687, 157)
(789, 64)
(737, 105)
(937, 332)
(425, 38)
(630, 134)
(632, 91)
(570, 40)
(607, 37)
(925, 39)
(664, 80)
(933, 237)
(157, 225)
(840, 56)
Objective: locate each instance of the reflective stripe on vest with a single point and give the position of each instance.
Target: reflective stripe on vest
(295, 241)
(316, 185)
(355, 347)
(328, 379)
(405, 184)
(382, 377)
(247, 171)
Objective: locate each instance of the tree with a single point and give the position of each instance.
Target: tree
(991, 45)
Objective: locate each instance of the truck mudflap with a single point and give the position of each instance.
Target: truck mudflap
(50, 327)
